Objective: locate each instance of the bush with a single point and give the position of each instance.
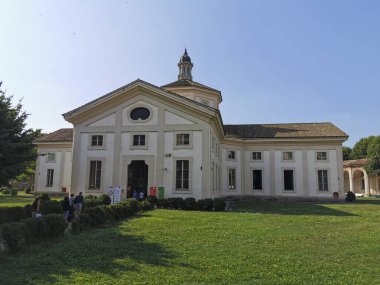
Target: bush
(13, 234)
(145, 206)
(205, 205)
(55, 225)
(14, 192)
(104, 199)
(219, 204)
(51, 207)
(36, 230)
(98, 215)
(190, 204)
(75, 227)
(14, 214)
(350, 196)
(6, 191)
(85, 221)
(176, 203)
(28, 190)
(43, 197)
(162, 203)
(131, 206)
(152, 199)
(117, 211)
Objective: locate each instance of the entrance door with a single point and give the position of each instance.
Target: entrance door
(138, 177)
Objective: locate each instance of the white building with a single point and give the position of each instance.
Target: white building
(174, 137)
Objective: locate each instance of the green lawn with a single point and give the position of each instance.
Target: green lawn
(256, 243)
(19, 200)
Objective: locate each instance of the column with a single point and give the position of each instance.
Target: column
(350, 176)
(366, 186)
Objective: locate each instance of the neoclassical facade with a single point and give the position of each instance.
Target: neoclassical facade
(173, 137)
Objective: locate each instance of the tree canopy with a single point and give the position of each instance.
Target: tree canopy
(368, 148)
(16, 148)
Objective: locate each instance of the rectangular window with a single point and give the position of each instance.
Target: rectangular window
(257, 179)
(51, 157)
(323, 182)
(95, 174)
(231, 154)
(288, 180)
(138, 140)
(183, 139)
(97, 140)
(49, 178)
(321, 155)
(182, 175)
(256, 155)
(231, 178)
(287, 155)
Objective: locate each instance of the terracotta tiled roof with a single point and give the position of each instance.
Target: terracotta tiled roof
(355, 162)
(190, 83)
(296, 130)
(62, 135)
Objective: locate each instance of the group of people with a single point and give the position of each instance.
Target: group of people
(72, 206)
(135, 194)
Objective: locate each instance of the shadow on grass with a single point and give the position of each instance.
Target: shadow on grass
(109, 251)
(286, 208)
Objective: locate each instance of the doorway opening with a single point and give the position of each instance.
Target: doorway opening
(138, 177)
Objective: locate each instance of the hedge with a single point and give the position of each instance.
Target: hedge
(216, 204)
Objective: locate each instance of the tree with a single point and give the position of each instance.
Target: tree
(359, 150)
(16, 147)
(372, 166)
(346, 152)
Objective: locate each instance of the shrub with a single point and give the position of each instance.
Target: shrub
(43, 197)
(36, 230)
(145, 206)
(13, 214)
(85, 221)
(175, 203)
(75, 227)
(98, 215)
(190, 204)
(13, 234)
(91, 201)
(132, 206)
(350, 197)
(162, 203)
(28, 190)
(51, 207)
(6, 191)
(152, 199)
(14, 192)
(205, 205)
(219, 204)
(55, 225)
(117, 211)
(104, 199)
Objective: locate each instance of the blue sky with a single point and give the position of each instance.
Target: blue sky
(274, 61)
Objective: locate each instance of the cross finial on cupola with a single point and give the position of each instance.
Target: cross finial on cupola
(185, 67)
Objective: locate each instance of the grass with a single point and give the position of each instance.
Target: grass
(21, 199)
(255, 243)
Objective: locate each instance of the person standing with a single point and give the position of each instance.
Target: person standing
(66, 207)
(78, 203)
(141, 195)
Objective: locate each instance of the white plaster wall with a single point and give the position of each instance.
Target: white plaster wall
(330, 165)
(106, 121)
(59, 171)
(227, 164)
(86, 153)
(172, 119)
(66, 181)
(296, 165)
(196, 172)
(126, 120)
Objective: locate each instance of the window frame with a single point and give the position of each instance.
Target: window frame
(321, 160)
(183, 146)
(257, 160)
(190, 178)
(49, 178)
(90, 136)
(131, 141)
(294, 180)
(88, 175)
(228, 179)
(228, 155)
(129, 111)
(288, 160)
(47, 160)
(262, 179)
(328, 180)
